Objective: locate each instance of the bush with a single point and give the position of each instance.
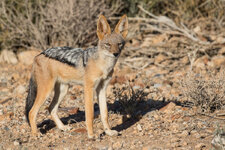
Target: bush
(129, 99)
(43, 24)
(178, 9)
(206, 93)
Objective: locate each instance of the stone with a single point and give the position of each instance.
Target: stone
(117, 145)
(139, 127)
(8, 57)
(184, 143)
(220, 40)
(73, 111)
(16, 143)
(160, 58)
(168, 108)
(1, 112)
(184, 133)
(159, 39)
(20, 89)
(222, 51)
(201, 63)
(157, 85)
(200, 146)
(185, 60)
(218, 61)
(197, 29)
(27, 57)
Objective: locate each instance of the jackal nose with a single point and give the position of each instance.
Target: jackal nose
(115, 54)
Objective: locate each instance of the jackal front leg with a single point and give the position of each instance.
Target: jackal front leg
(89, 107)
(104, 109)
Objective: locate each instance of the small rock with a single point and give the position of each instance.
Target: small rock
(139, 127)
(175, 117)
(120, 120)
(168, 108)
(222, 51)
(200, 146)
(8, 57)
(184, 133)
(1, 112)
(27, 57)
(201, 63)
(20, 89)
(117, 145)
(80, 130)
(136, 87)
(197, 29)
(159, 39)
(157, 85)
(184, 143)
(220, 40)
(16, 143)
(73, 110)
(218, 61)
(160, 58)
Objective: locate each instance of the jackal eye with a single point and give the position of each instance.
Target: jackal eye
(107, 45)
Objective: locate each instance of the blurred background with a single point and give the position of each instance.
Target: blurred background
(45, 23)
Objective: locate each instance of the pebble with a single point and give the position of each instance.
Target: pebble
(117, 145)
(16, 143)
(20, 89)
(139, 127)
(200, 146)
(184, 143)
(1, 112)
(184, 133)
(157, 85)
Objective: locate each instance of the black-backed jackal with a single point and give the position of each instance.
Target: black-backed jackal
(54, 68)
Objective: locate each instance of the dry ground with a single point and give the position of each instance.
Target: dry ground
(164, 121)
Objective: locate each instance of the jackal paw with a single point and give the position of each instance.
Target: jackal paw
(65, 128)
(91, 136)
(111, 132)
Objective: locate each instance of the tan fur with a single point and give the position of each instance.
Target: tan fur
(51, 74)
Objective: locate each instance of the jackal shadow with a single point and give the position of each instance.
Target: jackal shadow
(143, 108)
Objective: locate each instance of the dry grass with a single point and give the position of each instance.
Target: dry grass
(43, 24)
(205, 92)
(129, 98)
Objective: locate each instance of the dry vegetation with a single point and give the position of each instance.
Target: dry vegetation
(42, 24)
(173, 60)
(129, 99)
(207, 93)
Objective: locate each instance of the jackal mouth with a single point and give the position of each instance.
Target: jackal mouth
(116, 54)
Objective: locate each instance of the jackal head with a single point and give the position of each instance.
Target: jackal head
(111, 43)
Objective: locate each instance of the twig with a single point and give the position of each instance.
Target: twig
(169, 23)
(211, 116)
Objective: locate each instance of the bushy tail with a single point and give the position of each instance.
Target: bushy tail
(32, 93)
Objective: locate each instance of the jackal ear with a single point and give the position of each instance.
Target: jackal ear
(103, 27)
(122, 26)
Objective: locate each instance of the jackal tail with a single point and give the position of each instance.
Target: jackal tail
(32, 93)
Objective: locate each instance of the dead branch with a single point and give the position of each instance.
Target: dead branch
(166, 24)
(43, 24)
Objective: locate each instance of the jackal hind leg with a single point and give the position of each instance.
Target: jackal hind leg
(60, 92)
(43, 91)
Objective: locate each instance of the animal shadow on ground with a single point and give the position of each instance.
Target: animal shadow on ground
(48, 124)
(143, 107)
